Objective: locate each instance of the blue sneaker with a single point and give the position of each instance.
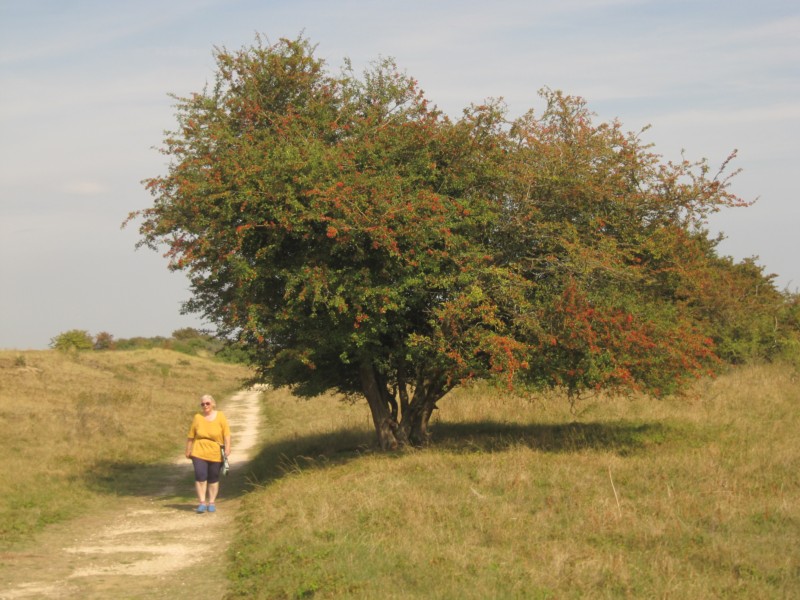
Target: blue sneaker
(201, 508)
(212, 508)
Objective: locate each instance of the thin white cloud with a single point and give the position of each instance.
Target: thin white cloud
(770, 113)
(772, 31)
(84, 188)
(42, 33)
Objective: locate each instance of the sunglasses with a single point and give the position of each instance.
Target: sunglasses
(205, 404)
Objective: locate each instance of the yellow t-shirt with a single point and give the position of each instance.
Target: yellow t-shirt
(208, 435)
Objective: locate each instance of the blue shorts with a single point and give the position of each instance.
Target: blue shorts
(205, 470)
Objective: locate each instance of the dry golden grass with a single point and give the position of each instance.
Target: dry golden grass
(682, 498)
(81, 426)
(518, 498)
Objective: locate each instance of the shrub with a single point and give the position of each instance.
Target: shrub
(72, 340)
(104, 341)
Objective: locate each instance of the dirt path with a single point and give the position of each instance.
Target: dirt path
(147, 546)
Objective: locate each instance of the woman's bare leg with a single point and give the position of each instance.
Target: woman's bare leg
(200, 487)
(213, 489)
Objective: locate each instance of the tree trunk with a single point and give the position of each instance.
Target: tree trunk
(418, 434)
(414, 424)
(386, 427)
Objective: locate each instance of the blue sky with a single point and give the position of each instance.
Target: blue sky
(84, 101)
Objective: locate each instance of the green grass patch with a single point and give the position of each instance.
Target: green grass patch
(695, 497)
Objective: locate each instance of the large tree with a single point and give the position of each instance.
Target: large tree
(354, 238)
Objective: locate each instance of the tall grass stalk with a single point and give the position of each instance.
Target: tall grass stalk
(516, 498)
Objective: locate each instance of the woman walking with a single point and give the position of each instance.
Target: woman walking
(208, 433)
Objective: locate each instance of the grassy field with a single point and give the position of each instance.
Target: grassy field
(525, 498)
(696, 497)
(82, 427)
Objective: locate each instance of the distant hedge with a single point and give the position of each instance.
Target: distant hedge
(187, 341)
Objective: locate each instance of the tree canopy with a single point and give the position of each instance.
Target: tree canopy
(73, 340)
(355, 238)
